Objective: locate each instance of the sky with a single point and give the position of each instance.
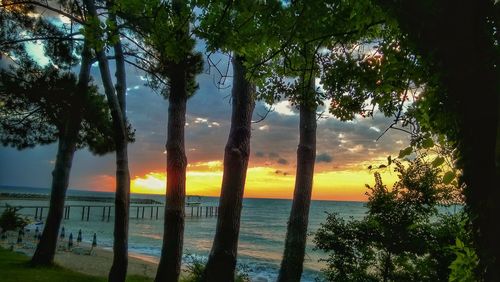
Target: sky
(344, 149)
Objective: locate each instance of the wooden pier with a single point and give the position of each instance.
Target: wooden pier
(105, 212)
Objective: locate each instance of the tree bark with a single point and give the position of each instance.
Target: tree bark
(296, 235)
(173, 236)
(222, 260)
(45, 251)
(118, 271)
(116, 103)
(470, 83)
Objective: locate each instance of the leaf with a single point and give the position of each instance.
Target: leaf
(448, 177)
(437, 161)
(405, 152)
(428, 143)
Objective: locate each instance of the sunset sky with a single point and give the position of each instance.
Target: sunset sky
(344, 149)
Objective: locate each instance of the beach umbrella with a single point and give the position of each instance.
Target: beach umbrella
(94, 240)
(20, 237)
(62, 233)
(70, 241)
(79, 238)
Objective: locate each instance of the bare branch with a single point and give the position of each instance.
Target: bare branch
(263, 117)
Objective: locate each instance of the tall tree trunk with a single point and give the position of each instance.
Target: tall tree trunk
(118, 270)
(296, 235)
(471, 89)
(222, 260)
(173, 235)
(45, 251)
(116, 104)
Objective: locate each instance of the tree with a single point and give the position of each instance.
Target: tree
(244, 30)
(41, 106)
(115, 95)
(298, 66)
(222, 260)
(403, 236)
(172, 65)
(429, 29)
(414, 52)
(60, 121)
(73, 111)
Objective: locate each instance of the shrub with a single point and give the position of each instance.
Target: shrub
(196, 267)
(11, 220)
(403, 236)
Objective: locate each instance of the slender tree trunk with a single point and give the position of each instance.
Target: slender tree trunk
(296, 235)
(173, 236)
(45, 251)
(116, 104)
(118, 270)
(222, 260)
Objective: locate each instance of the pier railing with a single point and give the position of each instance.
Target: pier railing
(105, 212)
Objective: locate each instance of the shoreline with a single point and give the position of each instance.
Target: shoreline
(98, 263)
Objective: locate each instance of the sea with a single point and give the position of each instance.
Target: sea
(262, 231)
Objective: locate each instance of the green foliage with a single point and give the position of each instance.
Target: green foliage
(464, 267)
(403, 236)
(305, 46)
(250, 29)
(36, 102)
(163, 29)
(11, 220)
(196, 267)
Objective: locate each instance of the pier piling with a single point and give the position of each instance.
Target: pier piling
(195, 211)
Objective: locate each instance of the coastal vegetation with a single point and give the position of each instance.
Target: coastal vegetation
(403, 59)
(11, 220)
(404, 236)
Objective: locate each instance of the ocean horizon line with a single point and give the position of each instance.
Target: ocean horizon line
(75, 189)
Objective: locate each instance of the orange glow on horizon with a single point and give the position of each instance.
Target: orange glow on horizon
(266, 182)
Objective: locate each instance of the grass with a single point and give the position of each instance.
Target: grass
(14, 267)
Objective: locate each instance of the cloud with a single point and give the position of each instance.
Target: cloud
(273, 155)
(284, 108)
(274, 141)
(259, 154)
(282, 161)
(264, 127)
(324, 158)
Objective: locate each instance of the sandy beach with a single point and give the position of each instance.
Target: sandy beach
(98, 263)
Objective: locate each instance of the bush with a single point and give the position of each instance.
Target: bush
(11, 220)
(402, 238)
(196, 267)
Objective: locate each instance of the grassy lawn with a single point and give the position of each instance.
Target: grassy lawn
(14, 267)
